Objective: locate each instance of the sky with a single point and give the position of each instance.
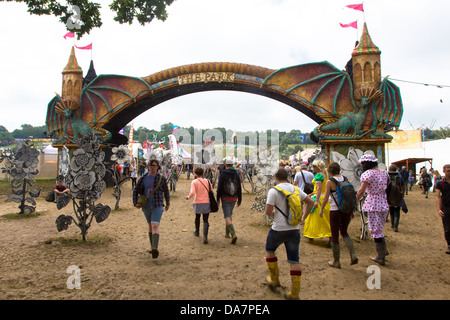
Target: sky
(412, 35)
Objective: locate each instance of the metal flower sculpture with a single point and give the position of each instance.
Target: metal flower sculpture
(266, 165)
(22, 162)
(352, 169)
(86, 185)
(350, 165)
(120, 155)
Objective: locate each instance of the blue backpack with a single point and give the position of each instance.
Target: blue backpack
(346, 193)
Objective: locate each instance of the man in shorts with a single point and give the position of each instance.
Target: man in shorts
(443, 203)
(283, 233)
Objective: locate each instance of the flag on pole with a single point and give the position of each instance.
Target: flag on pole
(353, 24)
(174, 128)
(69, 35)
(88, 47)
(130, 135)
(358, 7)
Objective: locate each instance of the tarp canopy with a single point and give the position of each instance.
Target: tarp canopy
(410, 163)
(405, 162)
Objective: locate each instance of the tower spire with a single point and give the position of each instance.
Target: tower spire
(366, 63)
(72, 76)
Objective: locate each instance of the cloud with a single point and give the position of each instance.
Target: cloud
(269, 33)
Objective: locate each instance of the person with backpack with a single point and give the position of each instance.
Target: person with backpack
(395, 195)
(374, 182)
(282, 232)
(229, 192)
(425, 180)
(200, 187)
(342, 197)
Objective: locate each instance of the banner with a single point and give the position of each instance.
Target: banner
(409, 139)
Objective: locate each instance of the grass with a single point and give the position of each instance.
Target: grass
(20, 215)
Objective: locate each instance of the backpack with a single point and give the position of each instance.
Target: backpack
(294, 205)
(394, 191)
(229, 184)
(346, 193)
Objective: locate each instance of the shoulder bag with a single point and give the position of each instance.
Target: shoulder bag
(212, 200)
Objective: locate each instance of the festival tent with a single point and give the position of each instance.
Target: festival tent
(50, 150)
(184, 154)
(434, 154)
(307, 153)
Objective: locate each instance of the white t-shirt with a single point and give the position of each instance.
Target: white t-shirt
(334, 195)
(276, 198)
(299, 179)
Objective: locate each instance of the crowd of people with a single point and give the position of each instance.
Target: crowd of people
(322, 215)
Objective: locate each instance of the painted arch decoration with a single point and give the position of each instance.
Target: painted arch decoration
(319, 90)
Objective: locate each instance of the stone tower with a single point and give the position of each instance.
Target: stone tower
(72, 81)
(366, 63)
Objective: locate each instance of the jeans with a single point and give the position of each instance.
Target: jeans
(153, 214)
(291, 240)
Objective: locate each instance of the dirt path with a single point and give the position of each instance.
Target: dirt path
(115, 264)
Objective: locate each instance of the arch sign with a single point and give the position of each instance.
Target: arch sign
(351, 109)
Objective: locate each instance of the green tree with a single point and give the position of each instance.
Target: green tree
(89, 12)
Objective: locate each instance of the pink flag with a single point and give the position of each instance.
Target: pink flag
(69, 35)
(356, 7)
(88, 47)
(353, 24)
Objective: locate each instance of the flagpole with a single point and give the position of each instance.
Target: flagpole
(357, 39)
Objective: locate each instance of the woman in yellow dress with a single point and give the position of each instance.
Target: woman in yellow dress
(315, 224)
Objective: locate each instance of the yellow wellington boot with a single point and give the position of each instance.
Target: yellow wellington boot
(273, 280)
(294, 294)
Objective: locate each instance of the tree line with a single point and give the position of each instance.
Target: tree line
(289, 142)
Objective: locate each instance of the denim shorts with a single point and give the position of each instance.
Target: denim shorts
(227, 208)
(291, 240)
(153, 214)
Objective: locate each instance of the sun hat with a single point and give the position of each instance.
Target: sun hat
(368, 158)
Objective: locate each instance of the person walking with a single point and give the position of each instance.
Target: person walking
(229, 192)
(443, 202)
(374, 181)
(425, 179)
(405, 175)
(411, 179)
(436, 178)
(339, 221)
(154, 185)
(317, 225)
(394, 210)
(133, 173)
(200, 187)
(282, 232)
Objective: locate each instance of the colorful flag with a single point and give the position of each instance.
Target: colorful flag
(69, 35)
(174, 128)
(358, 7)
(353, 24)
(88, 47)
